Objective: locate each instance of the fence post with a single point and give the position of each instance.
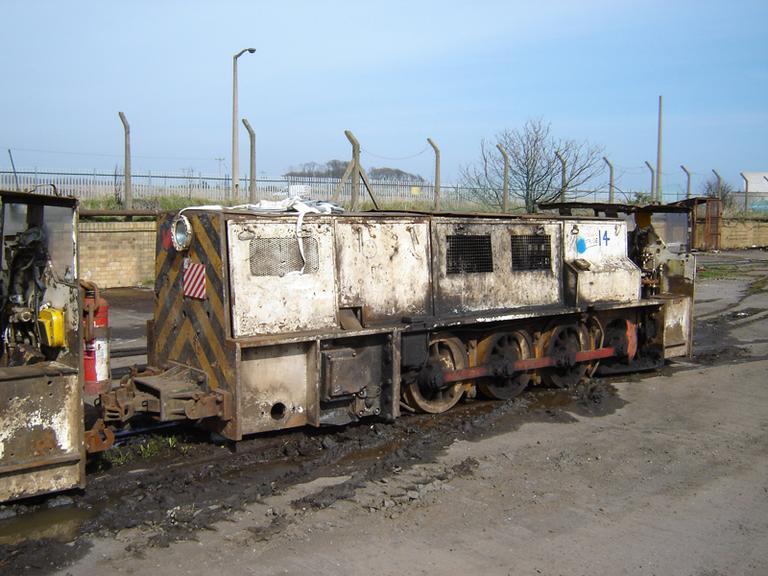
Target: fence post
(688, 185)
(355, 168)
(653, 179)
(437, 174)
(562, 176)
(610, 180)
(719, 184)
(252, 179)
(746, 192)
(505, 185)
(128, 192)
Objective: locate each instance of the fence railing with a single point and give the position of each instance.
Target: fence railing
(148, 188)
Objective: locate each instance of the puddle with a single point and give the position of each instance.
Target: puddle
(62, 524)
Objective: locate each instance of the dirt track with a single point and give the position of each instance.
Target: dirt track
(660, 474)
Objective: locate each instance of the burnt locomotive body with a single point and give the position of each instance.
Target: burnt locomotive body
(42, 440)
(270, 321)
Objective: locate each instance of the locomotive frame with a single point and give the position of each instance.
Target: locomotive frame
(267, 321)
(327, 319)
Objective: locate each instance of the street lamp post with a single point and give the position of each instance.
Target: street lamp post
(235, 149)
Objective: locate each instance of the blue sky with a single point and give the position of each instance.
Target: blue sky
(393, 72)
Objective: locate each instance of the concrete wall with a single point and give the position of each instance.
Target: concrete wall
(117, 254)
(743, 234)
(737, 233)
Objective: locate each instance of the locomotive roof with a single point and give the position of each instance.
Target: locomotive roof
(376, 214)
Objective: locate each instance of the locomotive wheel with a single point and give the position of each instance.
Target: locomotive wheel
(507, 347)
(446, 353)
(621, 335)
(562, 343)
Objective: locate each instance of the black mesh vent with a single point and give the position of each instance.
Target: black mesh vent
(469, 254)
(531, 253)
(280, 256)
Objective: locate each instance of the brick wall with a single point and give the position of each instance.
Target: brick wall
(117, 254)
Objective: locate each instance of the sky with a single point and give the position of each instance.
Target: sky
(393, 72)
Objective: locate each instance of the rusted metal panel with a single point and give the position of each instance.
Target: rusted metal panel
(41, 411)
(600, 270)
(186, 330)
(480, 274)
(278, 385)
(383, 268)
(678, 318)
(276, 288)
(41, 433)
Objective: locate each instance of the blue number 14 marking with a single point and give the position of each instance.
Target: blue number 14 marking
(602, 240)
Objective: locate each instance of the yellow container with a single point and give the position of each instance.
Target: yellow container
(52, 327)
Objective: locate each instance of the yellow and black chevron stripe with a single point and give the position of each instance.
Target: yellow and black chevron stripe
(190, 331)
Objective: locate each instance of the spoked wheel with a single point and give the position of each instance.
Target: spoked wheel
(507, 348)
(562, 343)
(446, 354)
(621, 335)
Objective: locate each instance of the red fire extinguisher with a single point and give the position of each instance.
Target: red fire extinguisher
(95, 340)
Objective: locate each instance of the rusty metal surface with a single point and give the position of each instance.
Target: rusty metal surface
(303, 298)
(98, 438)
(41, 434)
(275, 385)
(41, 410)
(191, 331)
(501, 287)
(678, 325)
(599, 268)
(383, 268)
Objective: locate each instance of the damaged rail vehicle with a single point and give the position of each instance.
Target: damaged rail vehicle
(268, 321)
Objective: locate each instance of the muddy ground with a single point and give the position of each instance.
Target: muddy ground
(660, 473)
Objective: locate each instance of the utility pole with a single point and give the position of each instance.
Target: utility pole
(653, 177)
(562, 176)
(235, 147)
(719, 184)
(610, 180)
(505, 198)
(127, 167)
(659, 193)
(252, 178)
(688, 185)
(437, 173)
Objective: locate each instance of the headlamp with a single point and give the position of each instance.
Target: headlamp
(181, 233)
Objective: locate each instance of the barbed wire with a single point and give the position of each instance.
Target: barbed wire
(102, 154)
(394, 158)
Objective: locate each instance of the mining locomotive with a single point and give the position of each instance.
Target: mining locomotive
(269, 320)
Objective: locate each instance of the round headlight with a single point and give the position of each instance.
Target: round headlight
(181, 233)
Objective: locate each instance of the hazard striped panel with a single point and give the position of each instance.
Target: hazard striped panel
(190, 324)
(194, 279)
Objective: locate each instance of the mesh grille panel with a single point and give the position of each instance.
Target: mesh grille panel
(279, 256)
(531, 253)
(469, 254)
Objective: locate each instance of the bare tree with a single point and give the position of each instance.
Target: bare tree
(724, 191)
(330, 169)
(534, 171)
(393, 175)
